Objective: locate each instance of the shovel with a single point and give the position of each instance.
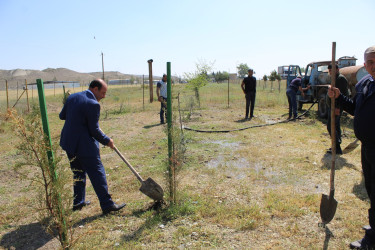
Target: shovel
(328, 204)
(149, 187)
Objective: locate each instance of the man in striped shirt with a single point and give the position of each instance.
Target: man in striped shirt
(161, 91)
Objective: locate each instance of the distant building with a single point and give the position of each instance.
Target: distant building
(232, 76)
(346, 61)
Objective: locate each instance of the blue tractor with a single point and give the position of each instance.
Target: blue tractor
(316, 75)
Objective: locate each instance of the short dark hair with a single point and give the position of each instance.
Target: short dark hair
(330, 66)
(250, 70)
(96, 83)
(164, 75)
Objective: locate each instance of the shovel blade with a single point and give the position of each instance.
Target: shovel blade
(328, 206)
(152, 189)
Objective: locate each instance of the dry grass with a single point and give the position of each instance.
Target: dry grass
(257, 188)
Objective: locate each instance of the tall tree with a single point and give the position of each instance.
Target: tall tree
(242, 69)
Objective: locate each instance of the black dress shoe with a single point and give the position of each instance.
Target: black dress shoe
(366, 243)
(80, 206)
(366, 228)
(114, 207)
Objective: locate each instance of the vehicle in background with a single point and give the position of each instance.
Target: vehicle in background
(316, 75)
(283, 71)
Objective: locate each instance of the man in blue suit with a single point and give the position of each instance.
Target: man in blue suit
(80, 138)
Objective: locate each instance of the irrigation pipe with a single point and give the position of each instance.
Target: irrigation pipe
(254, 126)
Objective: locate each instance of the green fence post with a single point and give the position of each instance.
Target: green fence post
(43, 112)
(170, 139)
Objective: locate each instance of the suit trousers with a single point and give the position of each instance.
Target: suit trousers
(250, 103)
(368, 168)
(93, 167)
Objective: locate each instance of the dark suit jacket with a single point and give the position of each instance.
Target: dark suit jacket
(81, 133)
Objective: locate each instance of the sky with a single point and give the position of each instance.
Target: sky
(264, 34)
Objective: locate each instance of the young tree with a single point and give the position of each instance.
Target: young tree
(199, 78)
(265, 79)
(242, 69)
(272, 78)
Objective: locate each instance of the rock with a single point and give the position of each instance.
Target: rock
(194, 235)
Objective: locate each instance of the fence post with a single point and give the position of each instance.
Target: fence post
(51, 160)
(170, 132)
(6, 86)
(228, 92)
(150, 80)
(143, 86)
(27, 96)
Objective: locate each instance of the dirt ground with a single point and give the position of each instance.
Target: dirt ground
(258, 188)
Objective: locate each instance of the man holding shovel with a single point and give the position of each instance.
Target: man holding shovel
(363, 108)
(80, 139)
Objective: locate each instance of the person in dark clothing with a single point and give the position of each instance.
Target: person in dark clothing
(249, 85)
(342, 85)
(291, 93)
(363, 108)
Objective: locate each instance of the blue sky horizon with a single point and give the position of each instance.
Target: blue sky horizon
(265, 34)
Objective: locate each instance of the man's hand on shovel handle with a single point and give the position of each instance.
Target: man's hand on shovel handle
(111, 144)
(333, 90)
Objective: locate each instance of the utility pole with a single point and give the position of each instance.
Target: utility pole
(103, 66)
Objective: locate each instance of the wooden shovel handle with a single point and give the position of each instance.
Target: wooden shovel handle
(333, 119)
(127, 163)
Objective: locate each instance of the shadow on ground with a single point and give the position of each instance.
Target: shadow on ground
(359, 190)
(31, 236)
(150, 222)
(340, 162)
(329, 234)
(151, 126)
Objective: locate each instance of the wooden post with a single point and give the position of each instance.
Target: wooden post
(150, 80)
(333, 118)
(228, 92)
(27, 96)
(143, 92)
(6, 86)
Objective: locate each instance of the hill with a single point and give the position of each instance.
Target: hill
(58, 74)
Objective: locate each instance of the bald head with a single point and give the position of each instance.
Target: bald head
(370, 60)
(99, 88)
